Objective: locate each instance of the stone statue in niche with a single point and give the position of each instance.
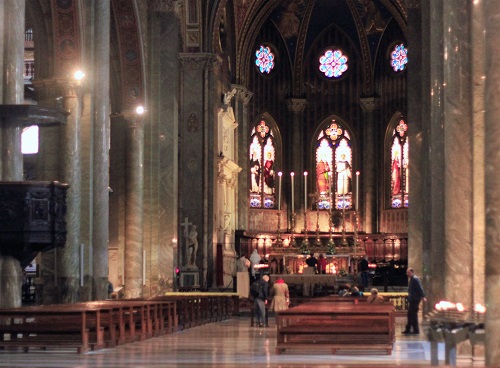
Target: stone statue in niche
(191, 245)
(227, 222)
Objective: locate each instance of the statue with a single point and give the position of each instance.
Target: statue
(192, 245)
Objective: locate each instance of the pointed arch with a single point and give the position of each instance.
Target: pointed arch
(334, 153)
(264, 158)
(397, 161)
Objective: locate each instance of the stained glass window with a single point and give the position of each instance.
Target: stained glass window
(333, 63)
(262, 167)
(334, 168)
(399, 168)
(399, 58)
(264, 59)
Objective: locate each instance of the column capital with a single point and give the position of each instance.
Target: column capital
(296, 105)
(369, 104)
(55, 88)
(242, 93)
(198, 61)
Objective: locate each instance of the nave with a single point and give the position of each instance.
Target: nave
(229, 343)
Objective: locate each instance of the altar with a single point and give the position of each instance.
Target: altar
(307, 281)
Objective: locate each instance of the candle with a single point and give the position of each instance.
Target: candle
(292, 175)
(357, 190)
(330, 188)
(305, 190)
(279, 190)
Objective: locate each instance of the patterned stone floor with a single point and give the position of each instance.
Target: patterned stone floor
(230, 343)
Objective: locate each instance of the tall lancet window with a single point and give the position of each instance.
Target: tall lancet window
(334, 168)
(262, 167)
(399, 168)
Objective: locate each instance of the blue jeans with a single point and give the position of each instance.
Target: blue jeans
(260, 310)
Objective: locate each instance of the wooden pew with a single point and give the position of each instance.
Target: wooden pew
(78, 326)
(337, 326)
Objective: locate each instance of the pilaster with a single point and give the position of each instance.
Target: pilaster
(298, 153)
(241, 101)
(369, 106)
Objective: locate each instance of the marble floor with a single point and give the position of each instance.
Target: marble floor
(225, 344)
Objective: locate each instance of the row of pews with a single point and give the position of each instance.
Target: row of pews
(106, 324)
(338, 324)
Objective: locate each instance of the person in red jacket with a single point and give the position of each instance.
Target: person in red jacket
(321, 266)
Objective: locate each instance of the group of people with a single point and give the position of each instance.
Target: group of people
(280, 294)
(260, 293)
(316, 265)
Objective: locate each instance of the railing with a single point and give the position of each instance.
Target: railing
(398, 299)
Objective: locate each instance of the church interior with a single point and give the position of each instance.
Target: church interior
(147, 145)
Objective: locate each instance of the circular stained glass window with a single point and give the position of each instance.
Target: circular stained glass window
(399, 58)
(264, 59)
(333, 63)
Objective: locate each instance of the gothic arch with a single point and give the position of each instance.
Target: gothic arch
(265, 155)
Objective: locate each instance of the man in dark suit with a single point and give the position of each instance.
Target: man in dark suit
(415, 295)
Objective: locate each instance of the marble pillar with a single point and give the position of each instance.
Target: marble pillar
(458, 134)
(11, 92)
(197, 153)
(445, 153)
(134, 261)
(298, 155)
(241, 101)
(369, 106)
(478, 156)
(162, 153)
(492, 184)
(101, 126)
(69, 256)
(418, 135)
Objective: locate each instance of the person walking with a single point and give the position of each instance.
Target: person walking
(259, 292)
(415, 295)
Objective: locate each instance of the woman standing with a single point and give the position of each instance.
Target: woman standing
(280, 295)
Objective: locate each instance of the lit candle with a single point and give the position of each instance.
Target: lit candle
(292, 175)
(357, 190)
(305, 190)
(279, 190)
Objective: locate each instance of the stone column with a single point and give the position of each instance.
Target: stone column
(369, 105)
(418, 135)
(164, 120)
(100, 198)
(297, 155)
(198, 153)
(11, 92)
(134, 207)
(492, 185)
(12, 86)
(69, 255)
(458, 141)
(241, 102)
